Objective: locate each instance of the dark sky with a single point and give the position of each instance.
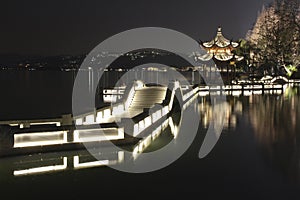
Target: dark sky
(74, 27)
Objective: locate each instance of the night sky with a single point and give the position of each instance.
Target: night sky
(75, 27)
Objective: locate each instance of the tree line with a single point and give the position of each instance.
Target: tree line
(273, 44)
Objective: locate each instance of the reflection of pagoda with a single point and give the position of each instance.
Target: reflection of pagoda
(221, 50)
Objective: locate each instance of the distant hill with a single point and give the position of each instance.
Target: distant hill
(144, 56)
(8, 59)
(128, 60)
(40, 62)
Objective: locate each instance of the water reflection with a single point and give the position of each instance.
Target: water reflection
(232, 108)
(274, 119)
(37, 164)
(272, 123)
(53, 162)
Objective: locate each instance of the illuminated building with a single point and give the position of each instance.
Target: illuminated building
(221, 50)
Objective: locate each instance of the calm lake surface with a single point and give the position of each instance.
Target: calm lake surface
(257, 156)
(48, 94)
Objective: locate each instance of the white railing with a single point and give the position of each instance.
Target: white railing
(105, 114)
(146, 122)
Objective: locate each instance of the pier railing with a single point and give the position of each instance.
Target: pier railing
(62, 131)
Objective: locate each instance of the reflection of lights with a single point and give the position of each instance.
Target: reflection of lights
(285, 87)
(40, 139)
(42, 169)
(156, 132)
(204, 93)
(205, 120)
(233, 120)
(144, 143)
(78, 165)
(79, 162)
(225, 113)
(236, 93)
(121, 156)
(247, 93)
(110, 98)
(277, 92)
(174, 128)
(238, 108)
(258, 92)
(189, 102)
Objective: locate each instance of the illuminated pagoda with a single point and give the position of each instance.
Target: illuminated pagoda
(221, 50)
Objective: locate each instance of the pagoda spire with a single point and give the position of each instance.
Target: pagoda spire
(221, 48)
(220, 29)
(219, 32)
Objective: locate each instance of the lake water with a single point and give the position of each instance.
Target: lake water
(47, 94)
(257, 156)
(34, 94)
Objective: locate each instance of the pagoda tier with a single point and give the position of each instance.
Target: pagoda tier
(220, 49)
(220, 42)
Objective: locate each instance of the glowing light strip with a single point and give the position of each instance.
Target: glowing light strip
(46, 123)
(79, 136)
(78, 165)
(203, 93)
(79, 121)
(247, 93)
(236, 93)
(146, 122)
(22, 125)
(118, 109)
(143, 144)
(42, 169)
(258, 92)
(190, 101)
(90, 119)
(172, 126)
(42, 139)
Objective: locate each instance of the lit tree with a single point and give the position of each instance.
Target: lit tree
(276, 36)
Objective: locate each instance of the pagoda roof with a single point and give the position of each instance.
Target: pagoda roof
(220, 41)
(227, 57)
(220, 57)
